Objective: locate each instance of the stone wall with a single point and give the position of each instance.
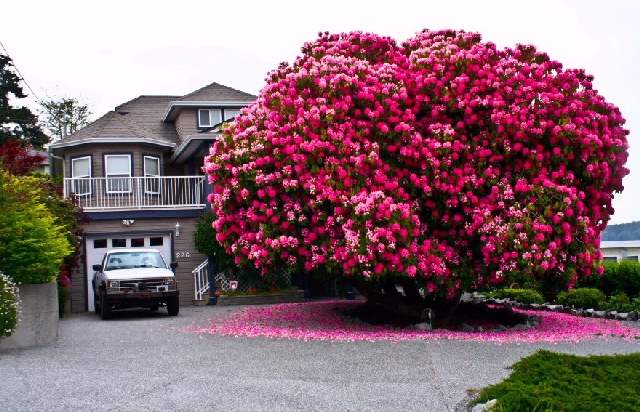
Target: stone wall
(38, 320)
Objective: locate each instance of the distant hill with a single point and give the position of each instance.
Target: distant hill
(624, 231)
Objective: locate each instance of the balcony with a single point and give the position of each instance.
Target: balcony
(137, 193)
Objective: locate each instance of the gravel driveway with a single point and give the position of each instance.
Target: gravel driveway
(142, 361)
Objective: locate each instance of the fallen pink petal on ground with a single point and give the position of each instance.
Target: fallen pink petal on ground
(323, 321)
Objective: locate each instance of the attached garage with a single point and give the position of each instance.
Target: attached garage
(96, 245)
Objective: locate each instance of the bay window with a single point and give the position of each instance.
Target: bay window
(117, 169)
(151, 175)
(81, 174)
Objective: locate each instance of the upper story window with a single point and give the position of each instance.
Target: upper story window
(151, 174)
(117, 169)
(229, 114)
(209, 117)
(81, 173)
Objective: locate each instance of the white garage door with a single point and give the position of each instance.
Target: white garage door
(97, 246)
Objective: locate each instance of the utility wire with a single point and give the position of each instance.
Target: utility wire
(21, 76)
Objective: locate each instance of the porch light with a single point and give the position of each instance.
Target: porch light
(177, 229)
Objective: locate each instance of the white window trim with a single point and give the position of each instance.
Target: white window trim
(108, 176)
(210, 124)
(88, 193)
(146, 175)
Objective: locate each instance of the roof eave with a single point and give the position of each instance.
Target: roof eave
(171, 112)
(62, 144)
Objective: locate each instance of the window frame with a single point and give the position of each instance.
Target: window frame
(146, 175)
(108, 175)
(230, 109)
(211, 123)
(89, 176)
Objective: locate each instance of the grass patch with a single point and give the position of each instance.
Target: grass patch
(547, 381)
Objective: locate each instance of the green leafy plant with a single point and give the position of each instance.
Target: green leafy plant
(585, 298)
(618, 277)
(547, 381)
(519, 295)
(32, 244)
(9, 305)
(206, 243)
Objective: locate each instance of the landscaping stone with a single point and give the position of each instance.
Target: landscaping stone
(599, 313)
(468, 328)
(633, 316)
(555, 308)
(38, 321)
(611, 314)
(622, 316)
(484, 407)
(589, 312)
(423, 326)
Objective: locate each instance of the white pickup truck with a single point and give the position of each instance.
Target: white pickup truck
(134, 278)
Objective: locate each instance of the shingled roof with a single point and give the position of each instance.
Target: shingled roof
(141, 119)
(218, 92)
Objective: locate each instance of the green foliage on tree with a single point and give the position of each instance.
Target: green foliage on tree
(206, 243)
(8, 306)
(33, 245)
(16, 122)
(64, 116)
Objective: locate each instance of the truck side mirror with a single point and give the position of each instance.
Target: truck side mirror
(97, 268)
(173, 265)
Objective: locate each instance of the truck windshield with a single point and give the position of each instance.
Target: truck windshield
(130, 260)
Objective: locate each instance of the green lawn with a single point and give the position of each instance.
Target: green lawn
(547, 381)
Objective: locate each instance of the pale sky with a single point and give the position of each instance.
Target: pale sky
(107, 52)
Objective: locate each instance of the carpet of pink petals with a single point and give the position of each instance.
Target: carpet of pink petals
(325, 321)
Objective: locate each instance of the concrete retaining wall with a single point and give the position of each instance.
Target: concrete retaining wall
(38, 323)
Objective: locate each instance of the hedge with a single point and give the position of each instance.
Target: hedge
(618, 277)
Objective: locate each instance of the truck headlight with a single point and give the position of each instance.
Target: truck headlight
(170, 281)
(114, 284)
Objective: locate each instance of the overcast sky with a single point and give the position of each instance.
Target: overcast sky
(107, 52)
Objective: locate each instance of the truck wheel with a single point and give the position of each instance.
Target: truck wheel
(173, 306)
(105, 308)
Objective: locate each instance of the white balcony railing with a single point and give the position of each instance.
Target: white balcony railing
(131, 193)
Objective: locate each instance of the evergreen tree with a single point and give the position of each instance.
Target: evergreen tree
(16, 122)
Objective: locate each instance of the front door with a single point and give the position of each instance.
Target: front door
(97, 246)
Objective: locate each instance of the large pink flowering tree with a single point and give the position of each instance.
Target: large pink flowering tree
(442, 164)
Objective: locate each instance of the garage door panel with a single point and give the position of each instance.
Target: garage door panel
(97, 246)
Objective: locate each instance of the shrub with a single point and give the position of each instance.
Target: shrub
(9, 306)
(32, 245)
(444, 161)
(618, 277)
(520, 295)
(585, 298)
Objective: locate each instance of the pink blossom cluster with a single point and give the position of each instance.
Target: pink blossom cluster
(444, 159)
(325, 321)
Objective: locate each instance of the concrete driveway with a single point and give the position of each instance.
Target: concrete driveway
(140, 361)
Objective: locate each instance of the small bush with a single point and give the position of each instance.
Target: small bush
(585, 298)
(9, 303)
(520, 295)
(32, 244)
(618, 277)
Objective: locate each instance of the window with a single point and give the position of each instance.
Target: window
(118, 242)
(118, 173)
(633, 258)
(137, 242)
(131, 260)
(209, 117)
(229, 114)
(156, 241)
(81, 174)
(99, 243)
(151, 174)
(610, 258)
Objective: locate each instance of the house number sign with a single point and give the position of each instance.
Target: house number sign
(183, 254)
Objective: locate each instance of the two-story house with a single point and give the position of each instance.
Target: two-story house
(136, 173)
